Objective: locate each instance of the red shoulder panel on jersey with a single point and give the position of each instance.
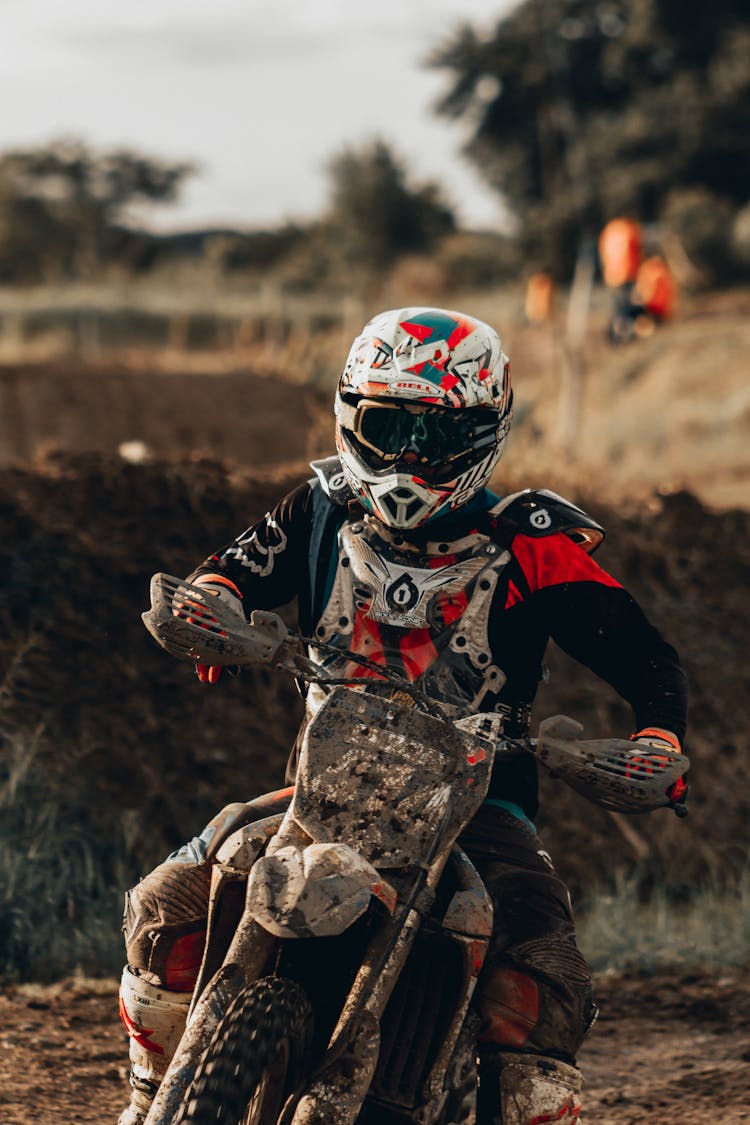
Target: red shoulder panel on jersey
(551, 560)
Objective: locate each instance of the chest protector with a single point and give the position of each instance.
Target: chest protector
(422, 614)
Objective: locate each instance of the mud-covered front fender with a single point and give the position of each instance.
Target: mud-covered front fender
(316, 891)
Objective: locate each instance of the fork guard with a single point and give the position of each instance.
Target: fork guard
(316, 891)
(613, 772)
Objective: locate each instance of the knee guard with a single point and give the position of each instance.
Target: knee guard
(537, 998)
(165, 924)
(522, 1089)
(154, 1020)
(165, 914)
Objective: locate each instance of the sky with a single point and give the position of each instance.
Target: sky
(260, 93)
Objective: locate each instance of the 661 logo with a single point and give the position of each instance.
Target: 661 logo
(540, 519)
(403, 594)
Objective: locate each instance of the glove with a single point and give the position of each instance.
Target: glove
(663, 741)
(224, 589)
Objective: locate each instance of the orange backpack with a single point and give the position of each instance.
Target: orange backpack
(655, 288)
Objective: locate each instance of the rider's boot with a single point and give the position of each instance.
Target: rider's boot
(155, 1020)
(522, 1089)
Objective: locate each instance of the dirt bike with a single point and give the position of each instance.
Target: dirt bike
(345, 936)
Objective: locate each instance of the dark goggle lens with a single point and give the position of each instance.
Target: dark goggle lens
(386, 430)
(432, 435)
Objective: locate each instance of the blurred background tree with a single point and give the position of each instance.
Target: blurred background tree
(580, 110)
(67, 213)
(577, 111)
(375, 215)
(61, 207)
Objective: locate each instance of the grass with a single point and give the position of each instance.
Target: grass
(620, 929)
(60, 890)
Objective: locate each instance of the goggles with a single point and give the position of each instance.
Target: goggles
(431, 437)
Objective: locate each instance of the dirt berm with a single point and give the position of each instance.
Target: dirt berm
(126, 740)
(237, 414)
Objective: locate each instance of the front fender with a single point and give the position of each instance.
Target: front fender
(316, 891)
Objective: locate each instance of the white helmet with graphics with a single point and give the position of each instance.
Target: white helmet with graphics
(423, 408)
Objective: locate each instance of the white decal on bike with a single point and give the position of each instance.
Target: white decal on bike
(265, 553)
(541, 519)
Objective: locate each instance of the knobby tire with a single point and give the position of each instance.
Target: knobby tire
(263, 1039)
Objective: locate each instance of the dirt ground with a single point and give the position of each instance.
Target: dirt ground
(672, 1051)
(248, 418)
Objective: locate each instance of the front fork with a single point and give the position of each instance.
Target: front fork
(334, 1094)
(352, 1055)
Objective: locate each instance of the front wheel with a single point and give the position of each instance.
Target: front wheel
(254, 1059)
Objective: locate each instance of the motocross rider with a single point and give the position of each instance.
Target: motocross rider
(397, 550)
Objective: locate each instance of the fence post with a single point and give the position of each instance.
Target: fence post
(573, 372)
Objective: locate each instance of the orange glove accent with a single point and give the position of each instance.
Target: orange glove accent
(678, 792)
(217, 580)
(208, 673)
(659, 739)
(211, 673)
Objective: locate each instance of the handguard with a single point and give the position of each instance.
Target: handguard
(617, 774)
(191, 623)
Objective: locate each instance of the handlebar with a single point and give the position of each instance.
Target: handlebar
(192, 624)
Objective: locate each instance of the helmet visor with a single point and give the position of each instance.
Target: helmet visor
(436, 442)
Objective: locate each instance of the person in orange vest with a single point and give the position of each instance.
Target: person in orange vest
(539, 301)
(621, 257)
(620, 252)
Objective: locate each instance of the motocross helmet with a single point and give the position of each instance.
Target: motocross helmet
(423, 408)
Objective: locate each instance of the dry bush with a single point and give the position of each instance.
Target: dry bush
(60, 882)
(620, 928)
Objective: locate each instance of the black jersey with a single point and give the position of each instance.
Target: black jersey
(468, 612)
